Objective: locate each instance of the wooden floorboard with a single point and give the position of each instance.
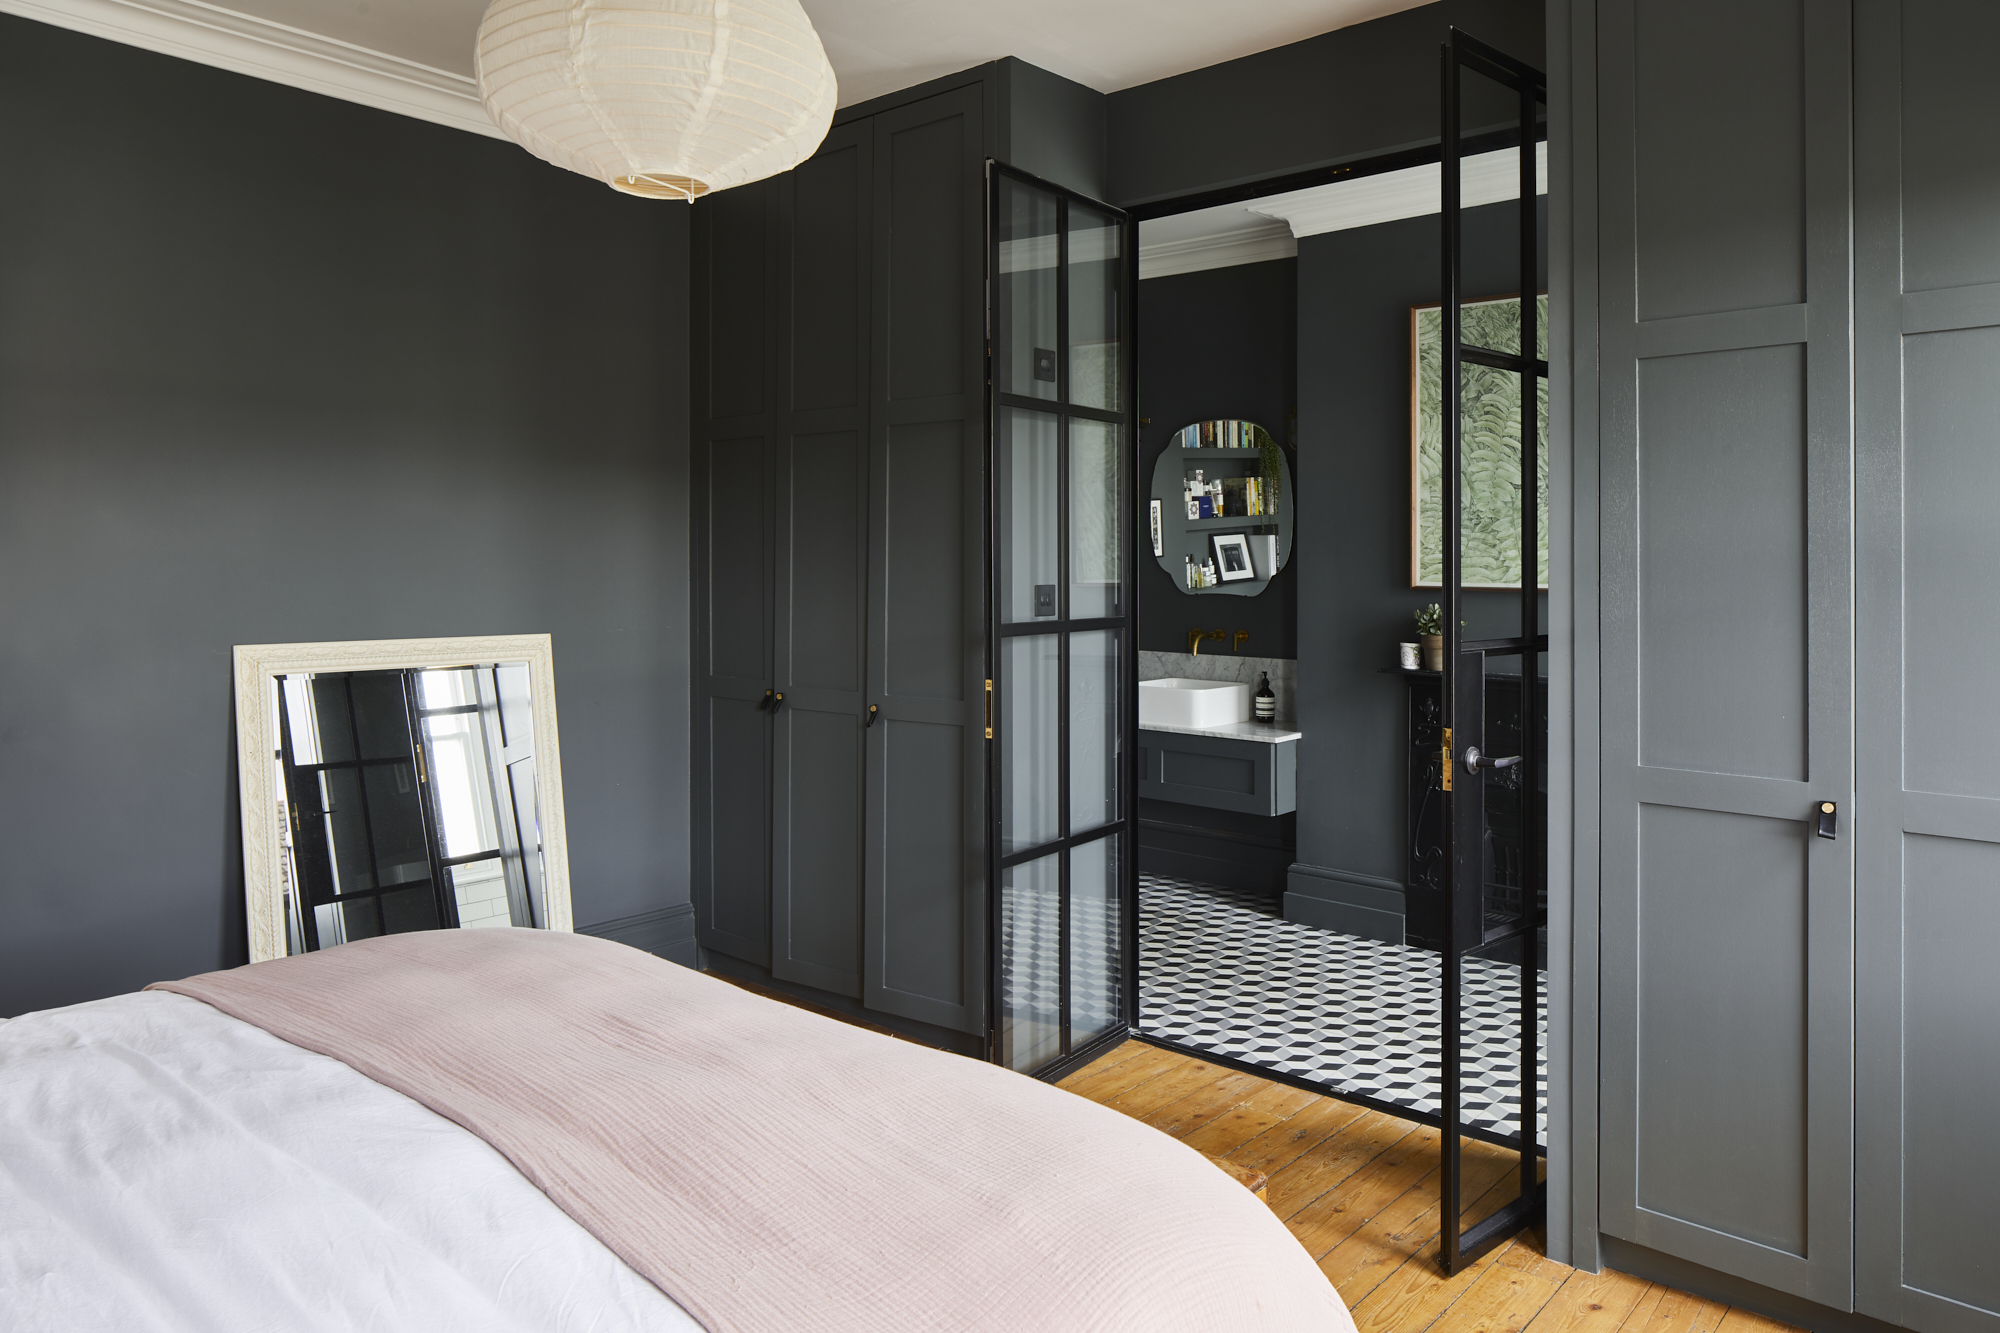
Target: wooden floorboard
(1359, 1189)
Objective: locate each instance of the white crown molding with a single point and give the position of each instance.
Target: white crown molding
(262, 49)
(1489, 178)
(1242, 245)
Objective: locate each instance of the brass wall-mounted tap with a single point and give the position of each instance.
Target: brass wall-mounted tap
(1242, 637)
(1195, 636)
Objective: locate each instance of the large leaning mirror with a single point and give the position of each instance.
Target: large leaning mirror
(391, 785)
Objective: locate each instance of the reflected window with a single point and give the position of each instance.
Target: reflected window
(405, 812)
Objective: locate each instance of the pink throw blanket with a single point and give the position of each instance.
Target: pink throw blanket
(774, 1171)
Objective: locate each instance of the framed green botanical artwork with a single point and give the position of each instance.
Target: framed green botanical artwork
(1490, 451)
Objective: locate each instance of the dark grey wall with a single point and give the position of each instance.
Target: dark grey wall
(1054, 128)
(1353, 554)
(275, 367)
(1221, 343)
(1355, 92)
(1032, 119)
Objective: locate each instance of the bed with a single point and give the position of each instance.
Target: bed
(518, 1129)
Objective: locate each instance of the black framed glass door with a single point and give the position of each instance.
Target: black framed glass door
(1494, 719)
(1060, 597)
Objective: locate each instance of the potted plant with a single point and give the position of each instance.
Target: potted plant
(1430, 633)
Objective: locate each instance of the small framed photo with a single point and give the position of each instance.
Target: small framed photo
(1232, 558)
(1158, 544)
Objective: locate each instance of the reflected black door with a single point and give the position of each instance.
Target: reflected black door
(364, 840)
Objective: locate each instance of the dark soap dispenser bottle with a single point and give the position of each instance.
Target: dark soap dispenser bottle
(1264, 707)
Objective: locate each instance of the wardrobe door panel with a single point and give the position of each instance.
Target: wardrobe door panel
(1951, 121)
(1718, 115)
(923, 573)
(826, 531)
(738, 314)
(1951, 1069)
(927, 157)
(816, 862)
(1951, 478)
(817, 730)
(924, 942)
(1722, 512)
(737, 548)
(1927, 360)
(921, 843)
(1727, 637)
(734, 888)
(732, 572)
(829, 274)
(1722, 1097)
(822, 567)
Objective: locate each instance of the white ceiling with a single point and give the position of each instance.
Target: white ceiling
(878, 46)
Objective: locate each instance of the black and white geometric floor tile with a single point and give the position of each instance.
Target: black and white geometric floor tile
(1031, 956)
(1223, 971)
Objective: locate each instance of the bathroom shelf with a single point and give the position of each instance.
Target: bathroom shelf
(1266, 521)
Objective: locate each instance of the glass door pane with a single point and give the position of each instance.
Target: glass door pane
(1095, 274)
(1029, 736)
(1025, 344)
(1096, 941)
(1096, 507)
(1059, 566)
(1096, 692)
(1030, 1030)
(1026, 472)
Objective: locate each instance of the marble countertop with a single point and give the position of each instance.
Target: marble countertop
(1267, 732)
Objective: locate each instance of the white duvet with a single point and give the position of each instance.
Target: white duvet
(166, 1167)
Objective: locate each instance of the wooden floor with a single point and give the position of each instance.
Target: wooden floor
(1360, 1191)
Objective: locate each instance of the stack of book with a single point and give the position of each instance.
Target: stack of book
(1245, 497)
(1229, 497)
(1219, 435)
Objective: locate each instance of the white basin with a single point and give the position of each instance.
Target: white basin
(1176, 701)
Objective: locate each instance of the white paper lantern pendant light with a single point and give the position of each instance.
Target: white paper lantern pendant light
(668, 99)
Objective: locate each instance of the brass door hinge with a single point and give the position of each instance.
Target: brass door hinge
(989, 710)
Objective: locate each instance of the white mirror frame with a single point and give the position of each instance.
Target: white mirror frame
(258, 664)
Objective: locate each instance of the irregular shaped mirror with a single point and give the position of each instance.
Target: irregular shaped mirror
(1221, 509)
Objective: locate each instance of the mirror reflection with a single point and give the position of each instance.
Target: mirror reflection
(409, 801)
(1221, 512)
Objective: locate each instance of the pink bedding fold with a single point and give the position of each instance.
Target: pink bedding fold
(774, 1171)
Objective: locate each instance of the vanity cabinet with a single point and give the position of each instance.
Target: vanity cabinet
(838, 552)
(1228, 768)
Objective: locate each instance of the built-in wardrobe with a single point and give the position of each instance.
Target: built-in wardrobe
(1798, 231)
(838, 551)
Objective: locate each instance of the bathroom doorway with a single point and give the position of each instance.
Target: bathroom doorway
(1327, 895)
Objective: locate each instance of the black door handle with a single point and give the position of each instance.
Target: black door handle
(1827, 815)
(765, 702)
(777, 702)
(873, 710)
(1474, 761)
